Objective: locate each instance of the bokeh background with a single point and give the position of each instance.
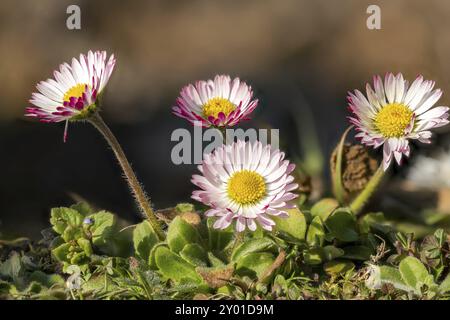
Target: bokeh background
(300, 56)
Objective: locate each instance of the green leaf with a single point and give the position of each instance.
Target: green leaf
(83, 208)
(374, 222)
(324, 208)
(336, 178)
(414, 273)
(362, 253)
(121, 244)
(181, 233)
(174, 267)
(218, 239)
(313, 256)
(34, 287)
(441, 236)
(12, 268)
(294, 225)
(342, 225)
(251, 246)
(96, 283)
(47, 280)
(61, 218)
(316, 232)
(214, 261)
(445, 285)
(79, 258)
(254, 264)
(151, 258)
(338, 267)
(103, 228)
(72, 233)
(194, 254)
(380, 275)
(185, 207)
(86, 246)
(331, 252)
(144, 238)
(61, 252)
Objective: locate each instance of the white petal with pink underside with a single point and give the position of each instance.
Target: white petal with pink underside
(420, 98)
(218, 167)
(193, 97)
(91, 72)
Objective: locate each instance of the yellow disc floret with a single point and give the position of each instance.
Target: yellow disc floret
(217, 105)
(76, 91)
(393, 119)
(246, 187)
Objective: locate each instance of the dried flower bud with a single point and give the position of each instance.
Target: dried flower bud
(216, 278)
(357, 167)
(191, 218)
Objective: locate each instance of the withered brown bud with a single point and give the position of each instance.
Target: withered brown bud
(216, 278)
(134, 263)
(191, 218)
(357, 167)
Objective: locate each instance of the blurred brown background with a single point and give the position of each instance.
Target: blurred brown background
(297, 54)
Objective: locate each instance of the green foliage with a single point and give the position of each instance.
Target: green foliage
(361, 253)
(174, 267)
(181, 233)
(322, 252)
(337, 267)
(294, 226)
(251, 246)
(21, 279)
(83, 234)
(218, 240)
(254, 264)
(414, 274)
(324, 208)
(420, 278)
(195, 255)
(144, 238)
(316, 232)
(342, 225)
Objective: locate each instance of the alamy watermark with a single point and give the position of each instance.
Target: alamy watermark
(373, 22)
(73, 21)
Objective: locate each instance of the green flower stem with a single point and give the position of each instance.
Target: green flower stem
(136, 188)
(358, 203)
(238, 239)
(338, 188)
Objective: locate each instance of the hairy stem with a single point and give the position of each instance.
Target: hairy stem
(136, 188)
(238, 239)
(358, 203)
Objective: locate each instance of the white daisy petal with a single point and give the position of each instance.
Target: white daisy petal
(394, 112)
(72, 90)
(230, 182)
(218, 103)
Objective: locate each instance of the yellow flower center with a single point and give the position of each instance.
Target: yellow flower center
(76, 91)
(246, 187)
(217, 105)
(393, 119)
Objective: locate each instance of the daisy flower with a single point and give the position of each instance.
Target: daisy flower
(219, 102)
(394, 113)
(246, 183)
(73, 93)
